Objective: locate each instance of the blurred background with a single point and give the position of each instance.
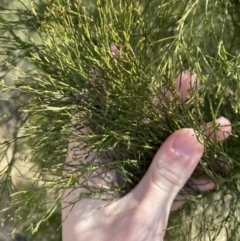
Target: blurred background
(9, 121)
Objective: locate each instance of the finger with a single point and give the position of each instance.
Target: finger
(75, 154)
(204, 184)
(115, 50)
(184, 82)
(200, 184)
(171, 167)
(218, 131)
(195, 185)
(78, 156)
(93, 181)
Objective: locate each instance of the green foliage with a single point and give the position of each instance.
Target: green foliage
(75, 77)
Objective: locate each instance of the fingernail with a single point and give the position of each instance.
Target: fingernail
(186, 144)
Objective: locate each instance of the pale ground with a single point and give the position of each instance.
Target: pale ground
(4, 135)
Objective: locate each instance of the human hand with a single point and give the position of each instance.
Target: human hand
(143, 213)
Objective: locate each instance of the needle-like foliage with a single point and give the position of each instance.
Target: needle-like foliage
(109, 66)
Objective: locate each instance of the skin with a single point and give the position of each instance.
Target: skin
(142, 214)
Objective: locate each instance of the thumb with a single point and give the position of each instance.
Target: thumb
(170, 169)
